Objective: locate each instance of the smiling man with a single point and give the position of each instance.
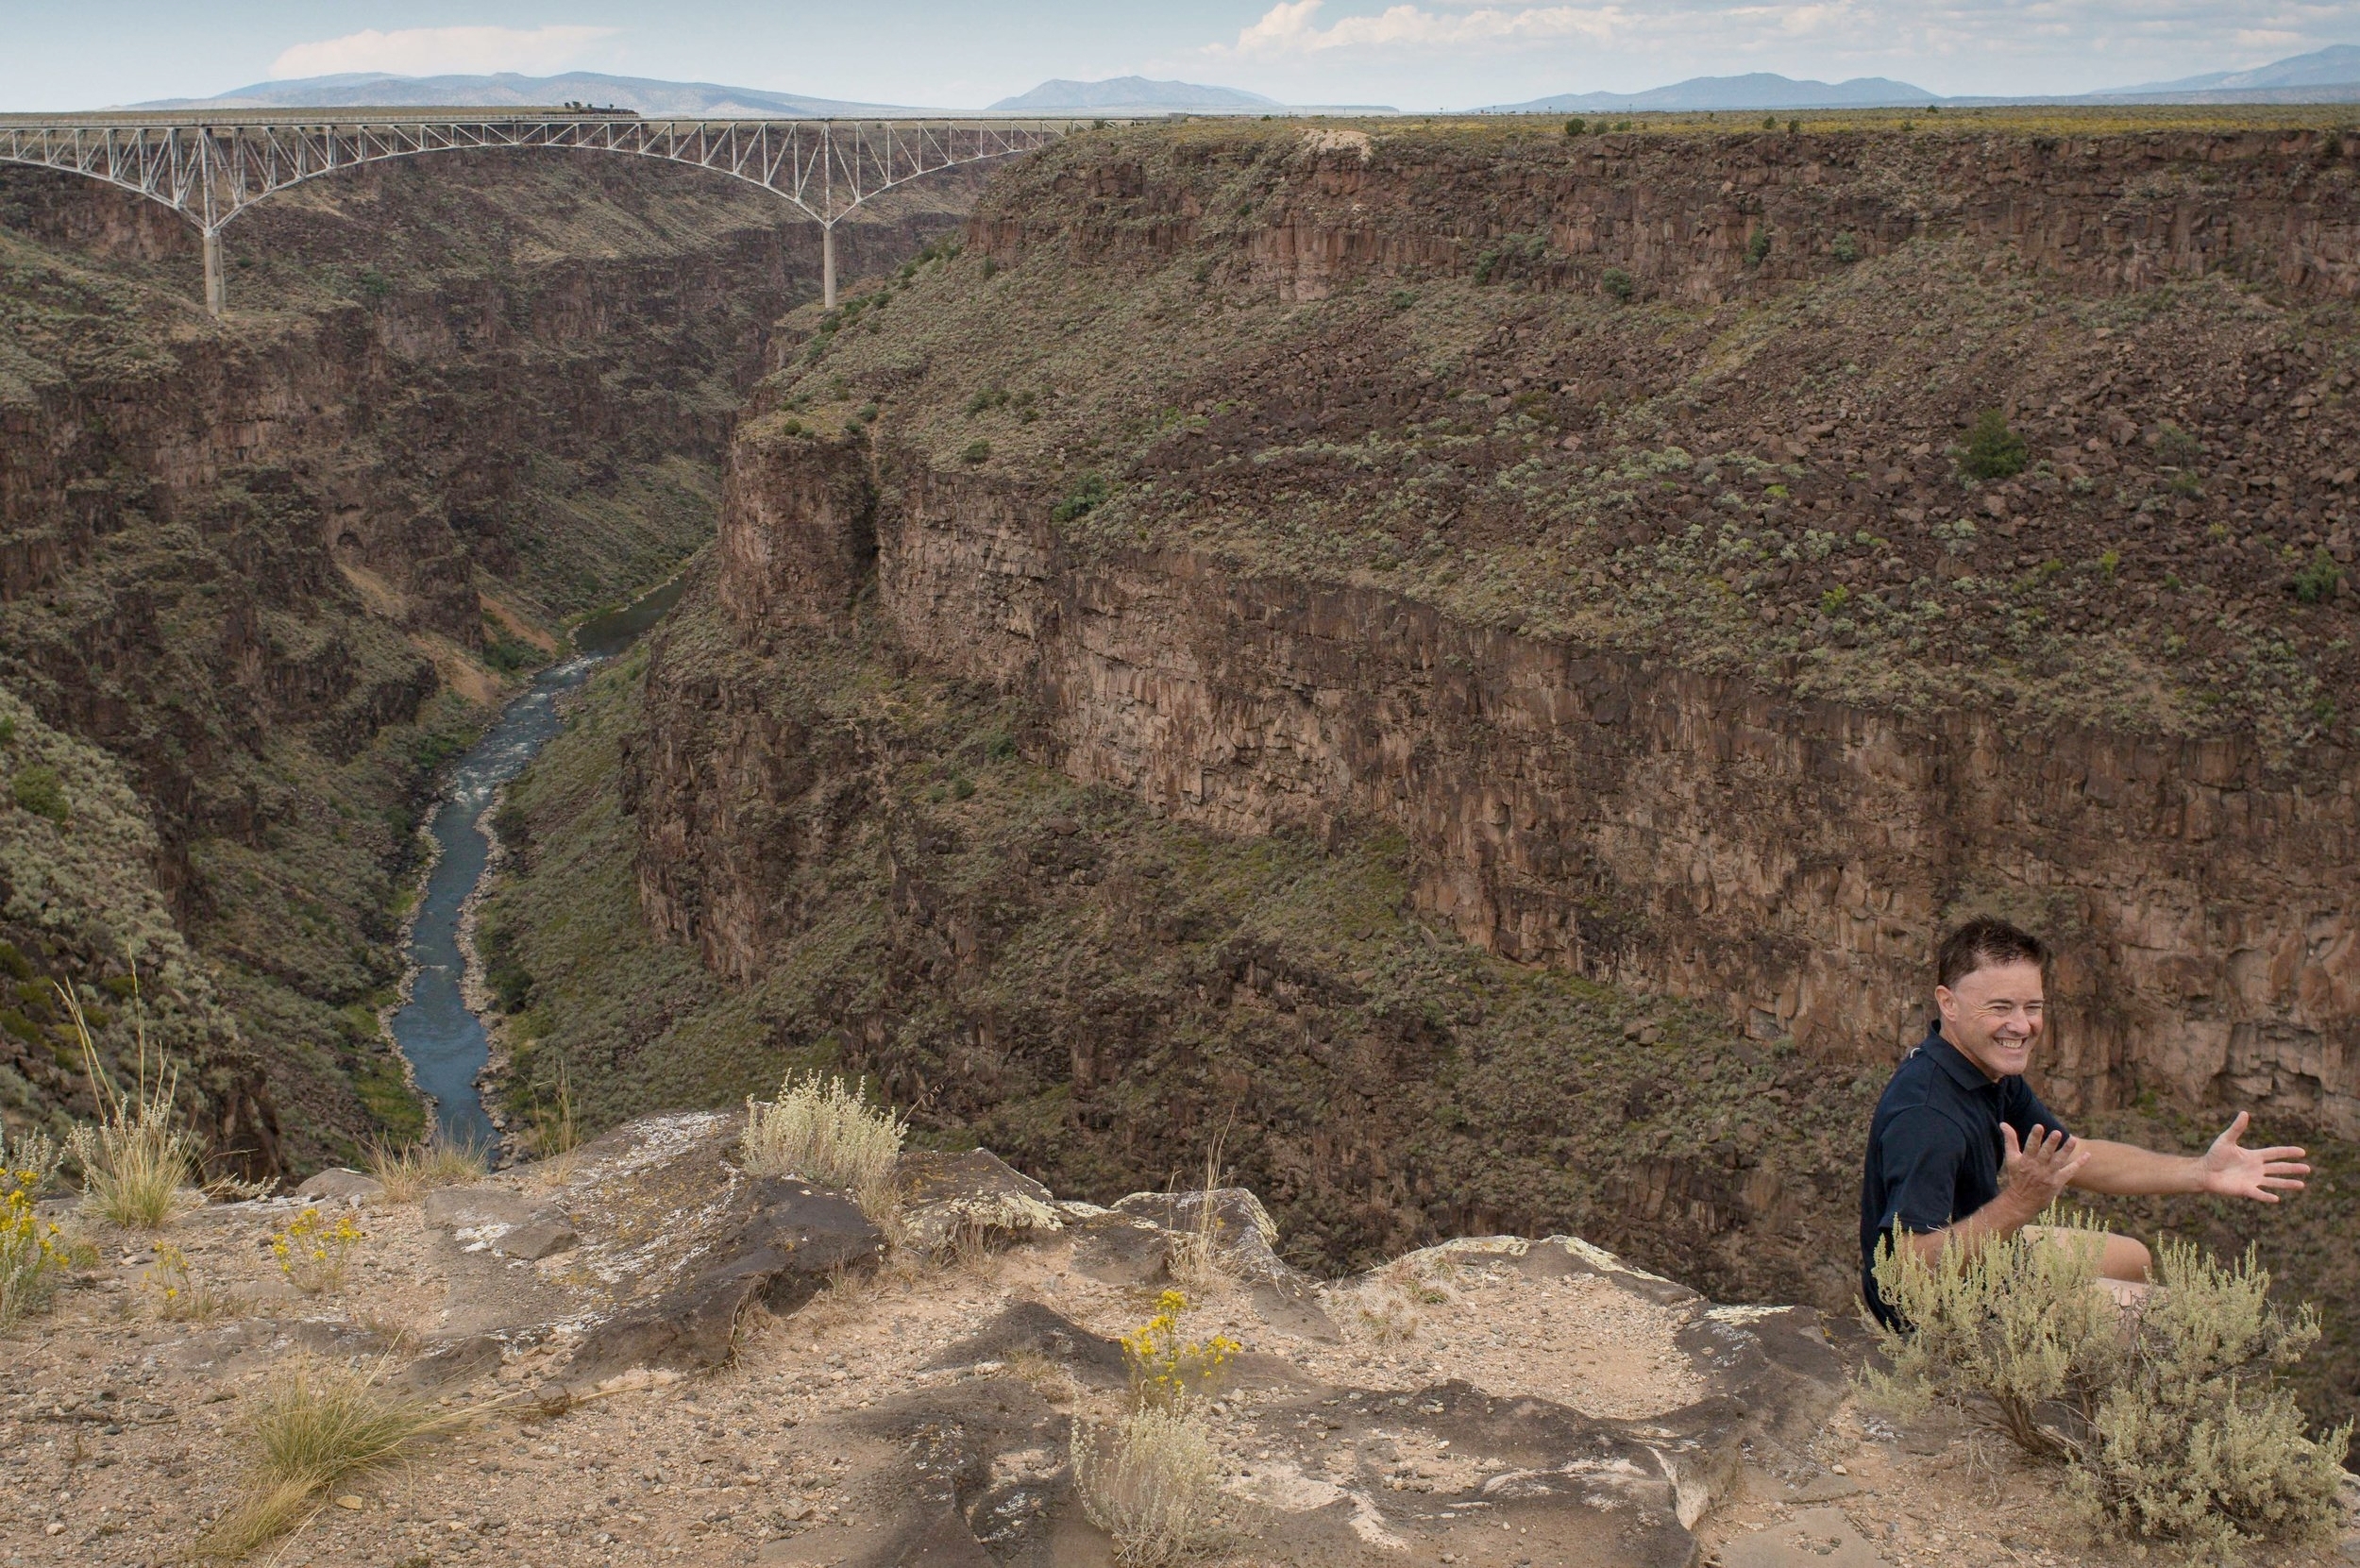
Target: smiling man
(1962, 1150)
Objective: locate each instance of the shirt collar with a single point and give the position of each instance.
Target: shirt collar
(1963, 1072)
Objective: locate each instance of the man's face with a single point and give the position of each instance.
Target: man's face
(1993, 1017)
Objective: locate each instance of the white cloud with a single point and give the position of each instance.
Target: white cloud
(1292, 27)
(434, 51)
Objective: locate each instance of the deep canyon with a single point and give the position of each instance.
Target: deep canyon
(1453, 670)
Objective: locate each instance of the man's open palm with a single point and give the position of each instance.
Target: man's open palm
(2234, 1172)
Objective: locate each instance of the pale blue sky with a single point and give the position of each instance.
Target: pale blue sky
(1417, 54)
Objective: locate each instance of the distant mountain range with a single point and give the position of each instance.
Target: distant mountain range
(705, 100)
(1759, 90)
(1117, 94)
(2336, 67)
(2326, 75)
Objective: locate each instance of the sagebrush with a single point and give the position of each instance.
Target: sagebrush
(1151, 1480)
(821, 1129)
(2169, 1419)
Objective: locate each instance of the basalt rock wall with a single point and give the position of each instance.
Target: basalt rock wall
(1785, 861)
(1703, 218)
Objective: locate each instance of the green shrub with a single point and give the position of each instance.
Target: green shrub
(1574, 126)
(1769, 122)
(2313, 584)
(1845, 248)
(1617, 284)
(38, 790)
(975, 452)
(2169, 1418)
(1758, 248)
(1090, 491)
(2175, 446)
(1993, 452)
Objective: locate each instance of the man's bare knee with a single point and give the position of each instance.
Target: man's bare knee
(2119, 1258)
(2126, 1259)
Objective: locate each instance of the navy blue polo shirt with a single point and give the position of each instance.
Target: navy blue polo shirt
(1934, 1150)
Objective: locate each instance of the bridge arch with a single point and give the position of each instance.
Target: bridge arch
(210, 169)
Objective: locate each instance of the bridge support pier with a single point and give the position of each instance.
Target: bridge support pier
(216, 287)
(827, 266)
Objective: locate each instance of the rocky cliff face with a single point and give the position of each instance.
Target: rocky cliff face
(263, 561)
(2096, 208)
(1780, 860)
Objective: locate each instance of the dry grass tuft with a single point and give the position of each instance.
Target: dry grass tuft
(1390, 1306)
(851, 1295)
(821, 1130)
(1049, 1378)
(1194, 1257)
(409, 1173)
(317, 1423)
(1152, 1481)
(135, 1159)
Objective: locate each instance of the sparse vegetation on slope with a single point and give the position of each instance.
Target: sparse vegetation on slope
(1681, 476)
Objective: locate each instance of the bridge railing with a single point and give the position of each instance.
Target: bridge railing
(211, 168)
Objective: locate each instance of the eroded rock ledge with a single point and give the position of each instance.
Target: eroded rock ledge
(1597, 1410)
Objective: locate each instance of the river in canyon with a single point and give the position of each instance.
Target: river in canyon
(443, 1038)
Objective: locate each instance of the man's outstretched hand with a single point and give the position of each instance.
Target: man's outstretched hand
(2036, 1171)
(2236, 1172)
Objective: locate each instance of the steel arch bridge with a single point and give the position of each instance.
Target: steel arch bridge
(210, 169)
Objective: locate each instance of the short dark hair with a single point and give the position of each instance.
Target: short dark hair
(1985, 942)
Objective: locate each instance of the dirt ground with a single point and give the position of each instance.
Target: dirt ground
(120, 1426)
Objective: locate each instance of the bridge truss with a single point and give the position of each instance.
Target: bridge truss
(209, 170)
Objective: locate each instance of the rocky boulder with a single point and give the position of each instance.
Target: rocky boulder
(946, 1199)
